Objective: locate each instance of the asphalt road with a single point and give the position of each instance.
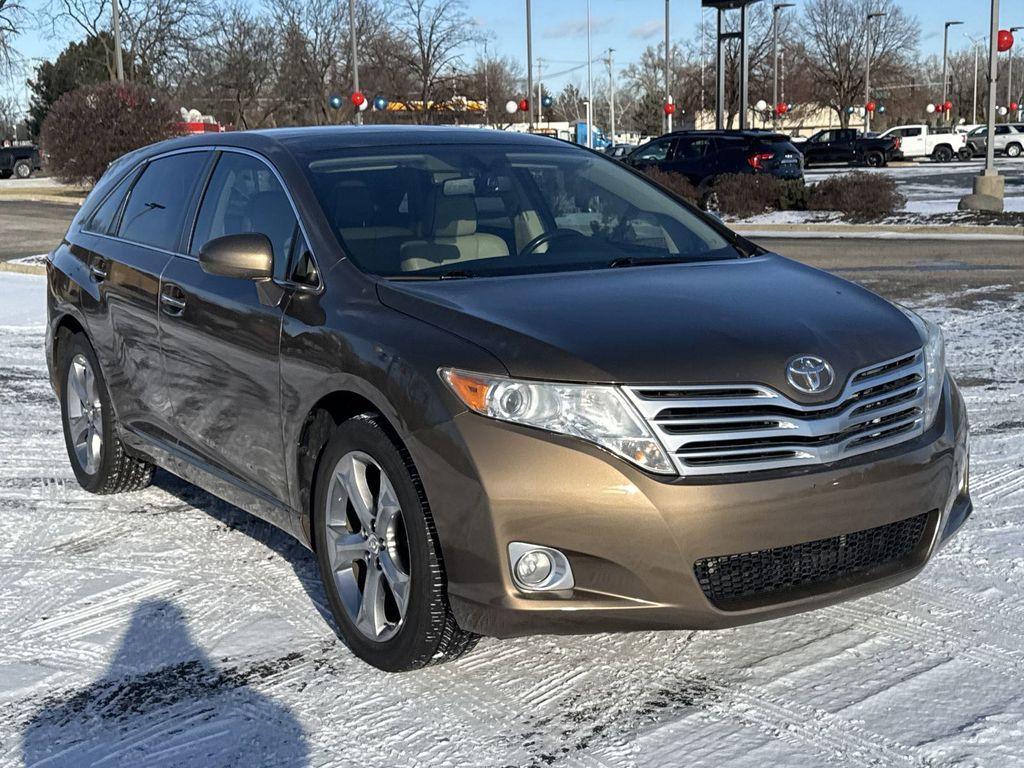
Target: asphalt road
(28, 228)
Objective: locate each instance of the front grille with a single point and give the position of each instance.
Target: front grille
(768, 573)
(724, 428)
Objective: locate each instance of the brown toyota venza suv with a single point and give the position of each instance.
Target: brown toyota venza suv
(499, 384)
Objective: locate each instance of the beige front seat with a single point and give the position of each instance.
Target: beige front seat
(454, 237)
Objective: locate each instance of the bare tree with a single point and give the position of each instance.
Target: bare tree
(434, 34)
(157, 36)
(11, 16)
(834, 32)
(11, 113)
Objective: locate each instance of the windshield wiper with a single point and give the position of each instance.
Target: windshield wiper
(456, 274)
(633, 261)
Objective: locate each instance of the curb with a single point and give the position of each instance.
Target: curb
(42, 197)
(868, 230)
(24, 269)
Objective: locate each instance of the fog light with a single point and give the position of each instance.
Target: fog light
(537, 568)
(534, 567)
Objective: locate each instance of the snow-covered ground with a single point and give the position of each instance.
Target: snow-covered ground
(167, 628)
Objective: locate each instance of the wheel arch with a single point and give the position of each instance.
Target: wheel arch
(66, 326)
(323, 417)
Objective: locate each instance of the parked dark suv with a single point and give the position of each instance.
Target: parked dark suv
(701, 156)
(500, 384)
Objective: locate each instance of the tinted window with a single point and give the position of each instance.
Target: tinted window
(691, 149)
(104, 219)
(156, 205)
(911, 131)
(491, 209)
(1002, 130)
(244, 196)
(655, 152)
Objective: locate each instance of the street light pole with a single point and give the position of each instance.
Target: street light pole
(867, 67)
(1009, 77)
(115, 11)
(775, 58)
(989, 187)
(976, 42)
(611, 93)
(355, 55)
(945, 57)
(668, 70)
(590, 85)
(529, 60)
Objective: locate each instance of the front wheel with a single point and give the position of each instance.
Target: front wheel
(965, 154)
(23, 169)
(942, 154)
(98, 458)
(379, 554)
(1013, 150)
(875, 159)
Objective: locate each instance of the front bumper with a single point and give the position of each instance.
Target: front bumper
(633, 539)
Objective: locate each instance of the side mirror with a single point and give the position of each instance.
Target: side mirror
(247, 256)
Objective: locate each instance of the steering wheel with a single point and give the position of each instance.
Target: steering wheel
(547, 237)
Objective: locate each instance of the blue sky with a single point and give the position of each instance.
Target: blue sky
(628, 26)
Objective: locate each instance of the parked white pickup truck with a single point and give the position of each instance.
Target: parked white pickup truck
(923, 141)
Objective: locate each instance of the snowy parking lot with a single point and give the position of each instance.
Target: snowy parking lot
(167, 628)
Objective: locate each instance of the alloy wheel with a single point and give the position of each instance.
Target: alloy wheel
(369, 548)
(85, 413)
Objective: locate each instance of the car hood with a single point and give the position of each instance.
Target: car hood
(735, 321)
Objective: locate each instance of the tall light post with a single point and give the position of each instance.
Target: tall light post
(977, 48)
(1009, 77)
(355, 55)
(115, 14)
(668, 70)
(867, 67)
(945, 58)
(590, 85)
(775, 57)
(529, 57)
(989, 186)
(611, 93)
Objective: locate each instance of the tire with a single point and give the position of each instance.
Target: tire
(23, 169)
(965, 154)
(874, 159)
(942, 154)
(99, 459)
(6, 173)
(373, 530)
(1013, 150)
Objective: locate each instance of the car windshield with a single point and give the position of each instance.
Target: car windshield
(466, 211)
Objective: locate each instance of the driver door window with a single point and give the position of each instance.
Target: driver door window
(655, 152)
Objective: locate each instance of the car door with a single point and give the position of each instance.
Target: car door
(913, 141)
(815, 149)
(220, 336)
(654, 154)
(1002, 137)
(843, 146)
(126, 244)
(690, 156)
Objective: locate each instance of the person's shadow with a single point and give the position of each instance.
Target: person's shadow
(163, 702)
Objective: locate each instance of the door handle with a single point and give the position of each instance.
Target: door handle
(172, 299)
(98, 270)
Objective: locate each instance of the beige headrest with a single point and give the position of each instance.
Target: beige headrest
(454, 216)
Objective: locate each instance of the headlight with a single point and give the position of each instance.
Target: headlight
(599, 414)
(934, 363)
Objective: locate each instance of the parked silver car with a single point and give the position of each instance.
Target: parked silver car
(1009, 139)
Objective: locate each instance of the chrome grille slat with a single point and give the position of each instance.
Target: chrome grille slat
(750, 427)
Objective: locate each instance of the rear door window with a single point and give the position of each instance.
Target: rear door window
(156, 206)
(104, 219)
(655, 152)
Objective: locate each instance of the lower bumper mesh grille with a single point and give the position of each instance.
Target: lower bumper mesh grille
(769, 572)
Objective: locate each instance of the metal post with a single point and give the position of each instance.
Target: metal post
(529, 58)
(668, 69)
(719, 77)
(355, 55)
(1009, 79)
(115, 9)
(611, 92)
(540, 93)
(993, 76)
(703, 61)
(776, 9)
(945, 57)
(590, 85)
(744, 67)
